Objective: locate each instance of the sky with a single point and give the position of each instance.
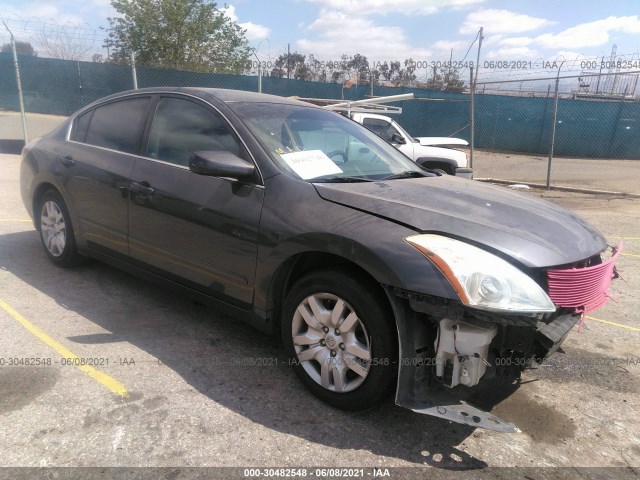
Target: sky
(534, 33)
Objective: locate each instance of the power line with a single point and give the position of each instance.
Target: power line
(470, 46)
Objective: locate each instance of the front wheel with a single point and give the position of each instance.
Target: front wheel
(340, 338)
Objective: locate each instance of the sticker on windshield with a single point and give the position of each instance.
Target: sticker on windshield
(311, 164)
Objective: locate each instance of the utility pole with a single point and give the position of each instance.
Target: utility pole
(553, 127)
(472, 123)
(480, 37)
(288, 55)
(20, 98)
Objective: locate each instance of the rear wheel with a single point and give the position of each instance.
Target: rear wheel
(56, 231)
(340, 338)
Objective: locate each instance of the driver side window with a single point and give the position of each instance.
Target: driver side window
(181, 127)
(382, 128)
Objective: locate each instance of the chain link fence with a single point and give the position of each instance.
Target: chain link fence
(561, 132)
(574, 131)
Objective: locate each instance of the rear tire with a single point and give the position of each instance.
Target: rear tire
(340, 338)
(56, 231)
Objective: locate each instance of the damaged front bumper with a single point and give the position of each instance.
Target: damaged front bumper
(420, 384)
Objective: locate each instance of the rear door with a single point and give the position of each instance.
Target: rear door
(95, 165)
(199, 230)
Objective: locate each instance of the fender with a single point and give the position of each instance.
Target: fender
(392, 261)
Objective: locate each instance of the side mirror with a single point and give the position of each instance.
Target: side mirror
(397, 138)
(220, 164)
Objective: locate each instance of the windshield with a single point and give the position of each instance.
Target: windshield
(319, 145)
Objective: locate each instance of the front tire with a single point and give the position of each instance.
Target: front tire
(340, 338)
(56, 231)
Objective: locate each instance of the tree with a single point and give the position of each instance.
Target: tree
(181, 34)
(354, 69)
(292, 65)
(395, 74)
(339, 70)
(22, 48)
(446, 79)
(359, 65)
(453, 82)
(319, 70)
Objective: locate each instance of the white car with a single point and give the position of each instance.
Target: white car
(436, 153)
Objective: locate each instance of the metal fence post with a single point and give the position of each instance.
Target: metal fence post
(134, 74)
(472, 86)
(553, 131)
(19, 83)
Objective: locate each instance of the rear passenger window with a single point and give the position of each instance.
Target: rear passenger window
(117, 125)
(181, 127)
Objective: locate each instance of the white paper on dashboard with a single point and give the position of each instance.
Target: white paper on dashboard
(310, 163)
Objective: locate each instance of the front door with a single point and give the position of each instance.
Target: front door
(200, 230)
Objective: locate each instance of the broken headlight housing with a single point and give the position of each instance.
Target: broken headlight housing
(483, 280)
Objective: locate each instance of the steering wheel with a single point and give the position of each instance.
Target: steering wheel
(342, 153)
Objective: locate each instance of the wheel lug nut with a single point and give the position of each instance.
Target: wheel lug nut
(333, 353)
(323, 343)
(342, 346)
(325, 329)
(337, 331)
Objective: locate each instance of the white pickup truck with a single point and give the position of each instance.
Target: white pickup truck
(436, 153)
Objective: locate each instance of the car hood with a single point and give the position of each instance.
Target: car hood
(535, 232)
(421, 151)
(441, 141)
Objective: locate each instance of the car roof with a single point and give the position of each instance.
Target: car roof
(229, 96)
(222, 94)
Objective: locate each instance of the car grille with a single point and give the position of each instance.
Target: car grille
(583, 289)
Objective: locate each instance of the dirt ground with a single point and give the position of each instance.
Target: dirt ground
(194, 399)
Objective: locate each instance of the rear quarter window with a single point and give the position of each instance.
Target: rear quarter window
(82, 124)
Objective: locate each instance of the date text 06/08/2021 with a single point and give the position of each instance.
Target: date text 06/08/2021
(316, 472)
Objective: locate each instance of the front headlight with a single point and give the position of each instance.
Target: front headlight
(483, 280)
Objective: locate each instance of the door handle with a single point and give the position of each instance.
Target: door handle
(67, 160)
(141, 188)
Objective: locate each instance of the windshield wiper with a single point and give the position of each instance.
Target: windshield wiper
(336, 179)
(406, 174)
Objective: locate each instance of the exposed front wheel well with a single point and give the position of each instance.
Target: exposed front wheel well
(299, 265)
(432, 164)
